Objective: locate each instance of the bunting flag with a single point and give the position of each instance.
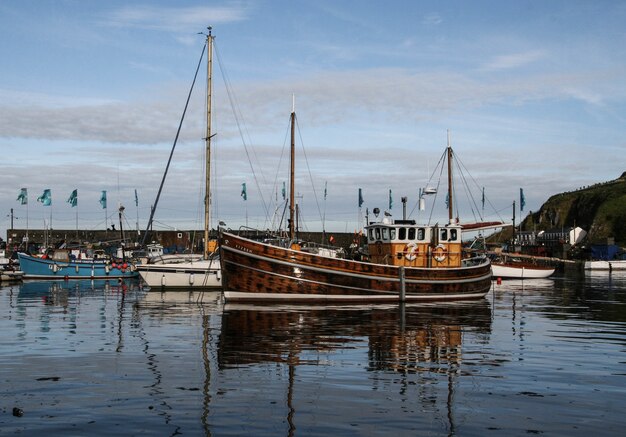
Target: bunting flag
(447, 200)
(284, 190)
(46, 197)
(23, 197)
(136, 198)
(103, 199)
(390, 200)
(73, 200)
(325, 189)
(244, 193)
(522, 200)
(360, 198)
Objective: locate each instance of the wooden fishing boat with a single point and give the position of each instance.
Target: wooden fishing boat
(407, 262)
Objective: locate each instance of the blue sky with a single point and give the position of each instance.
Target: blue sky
(533, 94)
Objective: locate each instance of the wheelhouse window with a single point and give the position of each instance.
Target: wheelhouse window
(392, 233)
(402, 234)
(411, 234)
(454, 235)
(443, 234)
(377, 234)
(371, 234)
(385, 234)
(421, 234)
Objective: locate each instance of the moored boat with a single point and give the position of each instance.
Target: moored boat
(520, 270)
(190, 270)
(60, 265)
(407, 262)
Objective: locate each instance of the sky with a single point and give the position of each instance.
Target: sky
(531, 95)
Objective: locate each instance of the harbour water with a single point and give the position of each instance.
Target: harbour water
(90, 358)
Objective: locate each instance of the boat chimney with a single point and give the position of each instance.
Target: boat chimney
(403, 208)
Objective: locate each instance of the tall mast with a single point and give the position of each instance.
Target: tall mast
(450, 212)
(207, 139)
(292, 223)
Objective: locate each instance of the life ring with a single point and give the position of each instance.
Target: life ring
(439, 253)
(410, 251)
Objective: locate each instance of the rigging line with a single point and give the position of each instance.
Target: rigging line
(441, 164)
(319, 210)
(478, 186)
(237, 116)
(180, 125)
(280, 161)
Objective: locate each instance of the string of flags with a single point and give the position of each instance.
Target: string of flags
(46, 197)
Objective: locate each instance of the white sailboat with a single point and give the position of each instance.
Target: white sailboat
(187, 271)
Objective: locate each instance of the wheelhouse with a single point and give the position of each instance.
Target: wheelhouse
(404, 243)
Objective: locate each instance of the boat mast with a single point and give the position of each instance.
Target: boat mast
(292, 223)
(207, 139)
(450, 212)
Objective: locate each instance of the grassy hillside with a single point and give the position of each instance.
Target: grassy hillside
(599, 209)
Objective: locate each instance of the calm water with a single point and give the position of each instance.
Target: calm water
(92, 358)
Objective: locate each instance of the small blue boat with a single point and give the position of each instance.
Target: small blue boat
(60, 265)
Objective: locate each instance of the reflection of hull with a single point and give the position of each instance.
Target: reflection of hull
(400, 337)
(254, 271)
(40, 268)
(198, 274)
(36, 288)
(520, 271)
(605, 265)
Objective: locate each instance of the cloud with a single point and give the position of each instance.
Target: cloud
(514, 60)
(176, 19)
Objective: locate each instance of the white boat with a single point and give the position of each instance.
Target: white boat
(520, 270)
(618, 264)
(190, 271)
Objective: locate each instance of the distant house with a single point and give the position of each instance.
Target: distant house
(571, 236)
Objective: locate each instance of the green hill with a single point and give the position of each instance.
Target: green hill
(598, 209)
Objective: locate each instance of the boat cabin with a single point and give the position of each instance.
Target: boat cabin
(404, 243)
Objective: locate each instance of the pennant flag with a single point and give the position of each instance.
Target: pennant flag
(522, 200)
(103, 199)
(325, 189)
(46, 197)
(390, 200)
(483, 197)
(244, 193)
(136, 198)
(447, 200)
(284, 190)
(360, 198)
(73, 200)
(23, 197)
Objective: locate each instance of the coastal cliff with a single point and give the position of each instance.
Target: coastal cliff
(599, 209)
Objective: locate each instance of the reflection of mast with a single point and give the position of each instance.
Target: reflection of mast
(292, 411)
(207, 370)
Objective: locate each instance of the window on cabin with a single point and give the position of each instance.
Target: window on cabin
(371, 234)
(443, 235)
(421, 234)
(411, 234)
(392, 233)
(377, 233)
(385, 234)
(402, 234)
(453, 235)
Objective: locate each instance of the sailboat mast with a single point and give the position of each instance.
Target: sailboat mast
(450, 212)
(292, 223)
(207, 188)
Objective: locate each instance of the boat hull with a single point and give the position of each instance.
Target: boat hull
(605, 265)
(254, 271)
(42, 268)
(520, 271)
(196, 275)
